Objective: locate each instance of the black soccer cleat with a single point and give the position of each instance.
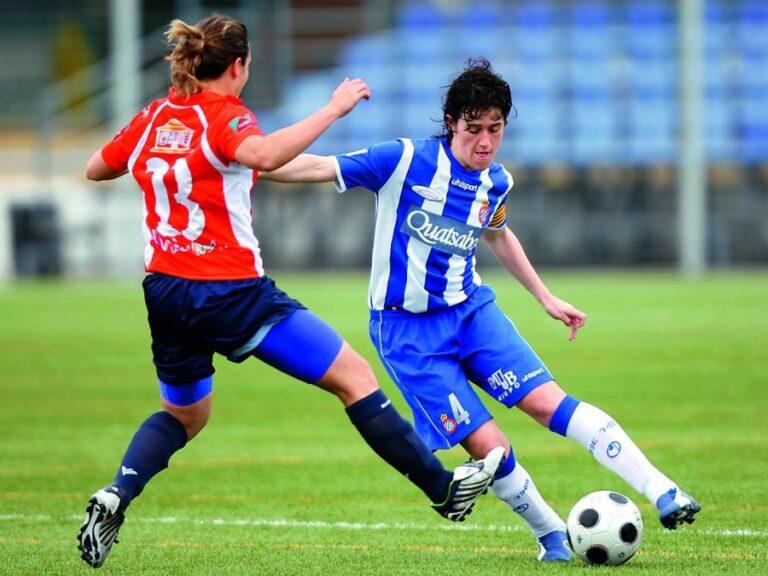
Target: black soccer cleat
(103, 518)
(470, 481)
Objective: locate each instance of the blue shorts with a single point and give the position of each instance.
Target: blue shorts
(432, 357)
(190, 320)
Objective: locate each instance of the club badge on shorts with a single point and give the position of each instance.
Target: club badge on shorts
(449, 424)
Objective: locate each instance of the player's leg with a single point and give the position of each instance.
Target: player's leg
(185, 377)
(612, 447)
(514, 486)
(185, 411)
(419, 353)
(307, 348)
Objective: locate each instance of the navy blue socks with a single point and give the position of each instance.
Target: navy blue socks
(396, 442)
(156, 440)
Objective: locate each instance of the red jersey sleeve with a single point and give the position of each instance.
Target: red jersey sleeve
(232, 126)
(117, 152)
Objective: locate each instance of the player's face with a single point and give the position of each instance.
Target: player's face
(476, 141)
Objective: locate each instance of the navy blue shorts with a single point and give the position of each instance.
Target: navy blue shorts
(190, 320)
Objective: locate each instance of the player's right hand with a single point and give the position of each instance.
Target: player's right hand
(347, 95)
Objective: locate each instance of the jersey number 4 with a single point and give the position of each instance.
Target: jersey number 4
(164, 204)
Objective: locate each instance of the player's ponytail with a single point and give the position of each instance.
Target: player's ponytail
(204, 51)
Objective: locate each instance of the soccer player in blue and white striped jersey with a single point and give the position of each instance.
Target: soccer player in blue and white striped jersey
(437, 328)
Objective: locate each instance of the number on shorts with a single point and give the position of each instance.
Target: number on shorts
(459, 414)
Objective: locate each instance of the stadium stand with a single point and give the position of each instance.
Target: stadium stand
(594, 84)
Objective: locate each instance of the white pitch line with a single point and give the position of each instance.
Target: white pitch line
(287, 523)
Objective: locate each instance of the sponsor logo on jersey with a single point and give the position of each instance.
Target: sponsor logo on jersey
(484, 214)
(449, 424)
(429, 193)
(464, 185)
(532, 374)
(173, 138)
(440, 232)
(240, 123)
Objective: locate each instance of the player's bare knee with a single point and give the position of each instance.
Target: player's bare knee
(193, 417)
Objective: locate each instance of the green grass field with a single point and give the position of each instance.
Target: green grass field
(279, 483)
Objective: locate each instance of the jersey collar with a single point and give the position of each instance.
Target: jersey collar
(203, 97)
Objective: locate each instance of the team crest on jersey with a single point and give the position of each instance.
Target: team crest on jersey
(449, 424)
(484, 214)
(173, 138)
(239, 123)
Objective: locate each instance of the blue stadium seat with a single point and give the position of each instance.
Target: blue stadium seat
(426, 46)
(417, 77)
(753, 11)
(535, 14)
(654, 78)
(650, 13)
(754, 142)
(592, 79)
(491, 42)
(421, 15)
(370, 49)
(537, 44)
(540, 79)
(481, 15)
(651, 43)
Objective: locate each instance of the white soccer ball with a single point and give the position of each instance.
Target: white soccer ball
(605, 528)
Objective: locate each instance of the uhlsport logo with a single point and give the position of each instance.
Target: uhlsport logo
(440, 232)
(173, 138)
(449, 424)
(520, 509)
(613, 450)
(464, 185)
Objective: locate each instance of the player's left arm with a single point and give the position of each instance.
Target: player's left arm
(509, 251)
(97, 169)
(304, 168)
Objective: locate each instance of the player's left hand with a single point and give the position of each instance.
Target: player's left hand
(566, 313)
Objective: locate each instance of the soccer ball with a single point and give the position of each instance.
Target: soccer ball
(605, 528)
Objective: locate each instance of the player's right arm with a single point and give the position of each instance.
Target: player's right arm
(304, 168)
(270, 152)
(97, 169)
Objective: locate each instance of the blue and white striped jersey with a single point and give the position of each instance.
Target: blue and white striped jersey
(430, 214)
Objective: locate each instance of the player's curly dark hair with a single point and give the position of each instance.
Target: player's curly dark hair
(204, 50)
(477, 89)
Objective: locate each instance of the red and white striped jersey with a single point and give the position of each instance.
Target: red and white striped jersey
(197, 207)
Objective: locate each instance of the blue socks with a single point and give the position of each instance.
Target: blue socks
(156, 440)
(396, 442)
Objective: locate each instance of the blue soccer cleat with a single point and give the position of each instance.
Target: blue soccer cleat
(553, 547)
(676, 507)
